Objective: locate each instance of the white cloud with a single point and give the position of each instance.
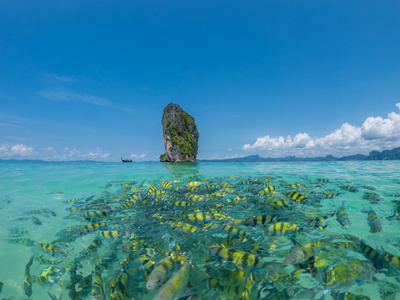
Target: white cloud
(75, 154)
(301, 140)
(16, 150)
(17, 121)
(375, 133)
(92, 154)
(49, 150)
(233, 156)
(347, 135)
(105, 155)
(4, 150)
(68, 154)
(69, 96)
(49, 153)
(4, 124)
(22, 150)
(57, 79)
(63, 78)
(375, 128)
(137, 156)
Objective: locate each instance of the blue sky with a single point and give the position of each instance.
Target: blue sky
(90, 79)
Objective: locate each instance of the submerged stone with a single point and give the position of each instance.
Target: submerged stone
(180, 135)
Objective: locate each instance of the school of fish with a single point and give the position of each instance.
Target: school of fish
(216, 238)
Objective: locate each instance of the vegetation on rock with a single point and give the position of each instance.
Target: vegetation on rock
(180, 135)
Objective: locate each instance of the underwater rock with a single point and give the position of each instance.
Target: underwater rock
(180, 135)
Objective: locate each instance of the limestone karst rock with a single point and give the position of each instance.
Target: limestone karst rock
(180, 135)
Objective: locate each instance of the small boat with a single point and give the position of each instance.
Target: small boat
(126, 160)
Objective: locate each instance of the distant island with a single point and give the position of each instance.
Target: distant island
(393, 154)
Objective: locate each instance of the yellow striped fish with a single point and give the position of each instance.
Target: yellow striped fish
(194, 183)
(218, 194)
(127, 205)
(72, 200)
(28, 278)
(373, 221)
(110, 234)
(49, 247)
(97, 285)
(295, 185)
(297, 196)
(225, 185)
(302, 254)
(94, 214)
(227, 228)
(195, 198)
(233, 231)
(261, 220)
(347, 296)
(90, 228)
(173, 287)
(93, 245)
(151, 189)
(49, 276)
(350, 188)
(348, 271)
(267, 190)
(199, 217)
(182, 203)
(238, 257)
(184, 226)
(282, 228)
(379, 260)
(323, 180)
(342, 217)
(145, 260)
(159, 274)
(165, 185)
(330, 194)
(45, 261)
(279, 204)
(211, 226)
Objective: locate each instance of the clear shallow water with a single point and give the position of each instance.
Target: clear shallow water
(26, 187)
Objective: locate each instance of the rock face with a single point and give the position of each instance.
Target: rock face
(180, 135)
(393, 154)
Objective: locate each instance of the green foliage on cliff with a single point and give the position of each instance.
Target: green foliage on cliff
(184, 140)
(188, 122)
(182, 131)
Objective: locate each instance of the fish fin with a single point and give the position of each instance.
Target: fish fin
(222, 245)
(53, 297)
(295, 243)
(296, 272)
(309, 265)
(29, 264)
(362, 239)
(309, 293)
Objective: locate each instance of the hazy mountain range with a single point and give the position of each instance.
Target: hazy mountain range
(393, 154)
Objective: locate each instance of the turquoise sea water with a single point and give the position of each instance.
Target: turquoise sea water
(34, 210)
